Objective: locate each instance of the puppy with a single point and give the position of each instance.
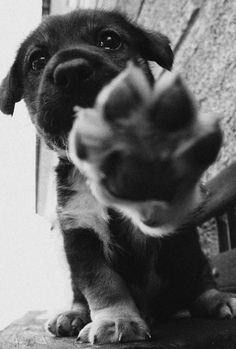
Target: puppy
(122, 279)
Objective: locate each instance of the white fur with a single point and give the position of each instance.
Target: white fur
(83, 210)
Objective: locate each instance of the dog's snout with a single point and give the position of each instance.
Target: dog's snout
(71, 74)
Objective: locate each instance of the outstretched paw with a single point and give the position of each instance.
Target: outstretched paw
(144, 148)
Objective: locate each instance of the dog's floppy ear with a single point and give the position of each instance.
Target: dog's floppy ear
(153, 46)
(11, 91)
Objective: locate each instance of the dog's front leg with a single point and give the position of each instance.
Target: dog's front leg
(113, 313)
(100, 294)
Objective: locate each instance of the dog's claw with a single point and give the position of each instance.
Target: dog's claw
(148, 334)
(120, 337)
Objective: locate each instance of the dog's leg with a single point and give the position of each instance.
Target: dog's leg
(190, 280)
(204, 297)
(215, 304)
(210, 302)
(113, 313)
(84, 225)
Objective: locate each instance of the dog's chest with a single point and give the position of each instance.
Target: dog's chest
(77, 207)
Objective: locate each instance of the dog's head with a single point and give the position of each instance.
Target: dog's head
(68, 59)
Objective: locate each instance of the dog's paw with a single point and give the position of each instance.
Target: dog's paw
(109, 327)
(215, 304)
(144, 148)
(67, 324)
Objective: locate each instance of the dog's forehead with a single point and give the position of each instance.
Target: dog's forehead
(80, 25)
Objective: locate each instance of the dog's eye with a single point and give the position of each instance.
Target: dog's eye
(109, 40)
(38, 60)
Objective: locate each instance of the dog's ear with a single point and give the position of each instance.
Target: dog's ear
(11, 91)
(153, 46)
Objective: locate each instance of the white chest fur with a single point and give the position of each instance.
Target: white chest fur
(81, 209)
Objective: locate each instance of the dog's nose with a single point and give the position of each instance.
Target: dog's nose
(71, 73)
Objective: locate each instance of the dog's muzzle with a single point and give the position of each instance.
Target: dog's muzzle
(72, 77)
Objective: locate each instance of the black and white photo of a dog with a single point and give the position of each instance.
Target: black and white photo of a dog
(124, 275)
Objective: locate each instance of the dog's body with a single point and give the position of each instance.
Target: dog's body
(122, 279)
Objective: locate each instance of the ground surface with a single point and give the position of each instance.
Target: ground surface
(28, 332)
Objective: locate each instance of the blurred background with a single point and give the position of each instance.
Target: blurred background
(33, 273)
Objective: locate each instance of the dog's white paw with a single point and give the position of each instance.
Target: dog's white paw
(110, 327)
(143, 144)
